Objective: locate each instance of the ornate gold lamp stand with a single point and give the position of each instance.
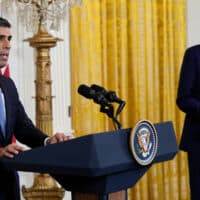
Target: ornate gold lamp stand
(44, 186)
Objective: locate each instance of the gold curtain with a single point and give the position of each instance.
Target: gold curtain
(134, 47)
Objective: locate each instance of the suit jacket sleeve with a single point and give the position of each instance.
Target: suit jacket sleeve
(21, 124)
(188, 97)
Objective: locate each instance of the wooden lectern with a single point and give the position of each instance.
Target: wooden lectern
(97, 166)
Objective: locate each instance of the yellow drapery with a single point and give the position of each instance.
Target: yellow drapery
(134, 47)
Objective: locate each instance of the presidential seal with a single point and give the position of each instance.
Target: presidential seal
(144, 142)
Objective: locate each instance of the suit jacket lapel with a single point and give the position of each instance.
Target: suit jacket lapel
(6, 92)
(2, 139)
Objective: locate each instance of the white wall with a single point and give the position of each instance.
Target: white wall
(193, 25)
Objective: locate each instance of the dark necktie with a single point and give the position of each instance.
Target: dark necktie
(2, 115)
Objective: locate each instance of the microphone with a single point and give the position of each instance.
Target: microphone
(90, 93)
(110, 95)
(102, 97)
(86, 91)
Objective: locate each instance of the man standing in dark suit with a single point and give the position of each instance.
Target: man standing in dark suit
(188, 100)
(13, 119)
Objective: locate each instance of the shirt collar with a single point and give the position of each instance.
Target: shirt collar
(3, 69)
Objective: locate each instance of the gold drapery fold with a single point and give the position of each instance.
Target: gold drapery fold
(134, 47)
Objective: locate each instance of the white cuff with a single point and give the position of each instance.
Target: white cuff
(45, 141)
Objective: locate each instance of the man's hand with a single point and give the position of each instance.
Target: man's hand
(11, 150)
(58, 137)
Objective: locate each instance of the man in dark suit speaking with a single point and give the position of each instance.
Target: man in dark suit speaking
(13, 119)
(188, 100)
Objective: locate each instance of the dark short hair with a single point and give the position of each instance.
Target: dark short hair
(4, 23)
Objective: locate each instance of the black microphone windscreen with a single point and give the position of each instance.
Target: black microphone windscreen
(86, 91)
(98, 88)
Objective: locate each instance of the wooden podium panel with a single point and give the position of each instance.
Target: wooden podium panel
(119, 195)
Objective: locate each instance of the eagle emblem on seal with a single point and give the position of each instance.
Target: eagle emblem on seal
(143, 137)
